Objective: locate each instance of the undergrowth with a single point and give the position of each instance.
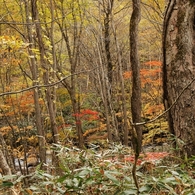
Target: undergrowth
(105, 172)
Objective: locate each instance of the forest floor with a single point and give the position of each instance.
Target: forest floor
(104, 169)
(96, 171)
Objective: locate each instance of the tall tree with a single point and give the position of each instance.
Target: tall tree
(136, 84)
(122, 85)
(106, 9)
(179, 72)
(34, 71)
(71, 27)
(48, 77)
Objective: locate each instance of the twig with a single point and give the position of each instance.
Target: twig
(143, 123)
(167, 110)
(41, 86)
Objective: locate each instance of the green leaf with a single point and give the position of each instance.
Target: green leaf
(174, 173)
(47, 175)
(146, 188)
(128, 179)
(111, 177)
(84, 173)
(130, 192)
(170, 180)
(7, 184)
(140, 174)
(61, 179)
(154, 179)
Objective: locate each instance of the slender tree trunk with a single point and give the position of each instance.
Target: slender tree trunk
(76, 111)
(72, 38)
(136, 82)
(52, 34)
(102, 84)
(33, 67)
(108, 5)
(179, 71)
(122, 87)
(50, 96)
(7, 156)
(136, 103)
(3, 165)
(106, 68)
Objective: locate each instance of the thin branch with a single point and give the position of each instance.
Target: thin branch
(160, 14)
(41, 86)
(29, 23)
(162, 114)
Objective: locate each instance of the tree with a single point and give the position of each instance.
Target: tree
(3, 164)
(122, 87)
(106, 67)
(136, 84)
(136, 81)
(71, 29)
(45, 65)
(179, 74)
(34, 71)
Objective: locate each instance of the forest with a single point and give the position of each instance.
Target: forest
(97, 97)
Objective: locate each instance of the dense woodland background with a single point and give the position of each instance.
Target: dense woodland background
(65, 69)
(66, 77)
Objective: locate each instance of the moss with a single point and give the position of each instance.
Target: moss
(181, 17)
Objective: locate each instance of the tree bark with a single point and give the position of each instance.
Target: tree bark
(34, 71)
(122, 87)
(179, 71)
(101, 79)
(50, 92)
(136, 86)
(72, 37)
(136, 81)
(3, 165)
(108, 5)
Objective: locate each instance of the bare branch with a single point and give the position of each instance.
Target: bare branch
(162, 114)
(48, 85)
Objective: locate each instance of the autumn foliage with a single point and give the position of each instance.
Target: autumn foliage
(149, 157)
(151, 82)
(87, 114)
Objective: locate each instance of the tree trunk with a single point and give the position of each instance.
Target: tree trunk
(3, 165)
(122, 86)
(33, 68)
(50, 92)
(179, 71)
(105, 9)
(136, 84)
(103, 93)
(72, 37)
(108, 5)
